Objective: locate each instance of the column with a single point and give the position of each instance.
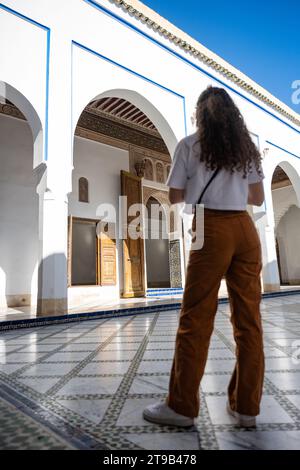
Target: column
(52, 272)
(55, 183)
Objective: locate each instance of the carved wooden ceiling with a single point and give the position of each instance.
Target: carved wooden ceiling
(280, 178)
(123, 110)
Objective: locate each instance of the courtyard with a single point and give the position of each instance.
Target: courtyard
(84, 385)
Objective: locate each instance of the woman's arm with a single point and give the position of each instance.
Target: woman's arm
(256, 195)
(176, 195)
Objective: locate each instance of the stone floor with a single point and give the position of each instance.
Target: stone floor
(84, 385)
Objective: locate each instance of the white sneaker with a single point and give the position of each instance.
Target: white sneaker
(161, 413)
(244, 421)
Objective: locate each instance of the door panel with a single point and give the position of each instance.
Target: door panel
(107, 257)
(133, 250)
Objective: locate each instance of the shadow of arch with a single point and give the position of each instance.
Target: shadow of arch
(21, 152)
(27, 109)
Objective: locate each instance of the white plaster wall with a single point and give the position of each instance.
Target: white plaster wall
(101, 165)
(23, 59)
(18, 212)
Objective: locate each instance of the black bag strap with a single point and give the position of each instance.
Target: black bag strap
(208, 183)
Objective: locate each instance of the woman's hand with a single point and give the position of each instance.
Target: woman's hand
(176, 195)
(256, 195)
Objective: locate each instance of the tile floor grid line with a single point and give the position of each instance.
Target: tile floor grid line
(271, 389)
(113, 411)
(272, 343)
(50, 353)
(115, 407)
(37, 342)
(260, 427)
(284, 402)
(283, 349)
(86, 360)
(157, 429)
(59, 410)
(206, 435)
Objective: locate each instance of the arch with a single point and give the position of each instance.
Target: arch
(160, 197)
(152, 112)
(154, 199)
(287, 235)
(23, 104)
(293, 175)
(21, 152)
(286, 215)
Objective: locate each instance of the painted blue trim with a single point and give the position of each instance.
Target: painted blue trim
(47, 93)
(176, 54)
(137, 74)
(48, 31)
(23, 17)
(284, 150)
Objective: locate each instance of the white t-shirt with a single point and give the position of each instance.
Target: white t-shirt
(227, 191)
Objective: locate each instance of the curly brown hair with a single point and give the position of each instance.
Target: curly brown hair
(224, 138)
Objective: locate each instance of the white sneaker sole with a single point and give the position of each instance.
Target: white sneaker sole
(168, 421)
(242, 421)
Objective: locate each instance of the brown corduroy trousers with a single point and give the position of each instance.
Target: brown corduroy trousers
(232, 249)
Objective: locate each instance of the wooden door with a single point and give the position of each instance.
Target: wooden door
(106, 257)
(133, 250)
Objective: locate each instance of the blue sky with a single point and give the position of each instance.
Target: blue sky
(261, 38)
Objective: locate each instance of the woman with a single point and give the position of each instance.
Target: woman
(222, 154)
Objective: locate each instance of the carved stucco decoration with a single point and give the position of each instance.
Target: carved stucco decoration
(163, 198)
(148, 169)
(121, 132)
(11, 110)
(140, 167)
(160, 177)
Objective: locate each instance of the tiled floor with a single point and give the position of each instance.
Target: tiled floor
(84, 385)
